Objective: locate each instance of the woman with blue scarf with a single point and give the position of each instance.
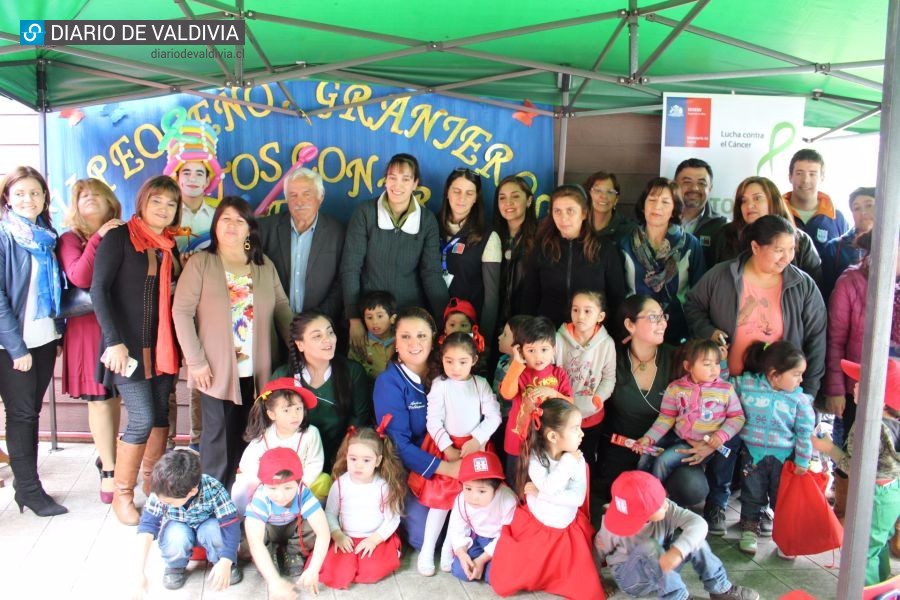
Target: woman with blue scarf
(662, 260)
(30, 288)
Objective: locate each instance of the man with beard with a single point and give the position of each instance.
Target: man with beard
(813, 210)
(694, 177)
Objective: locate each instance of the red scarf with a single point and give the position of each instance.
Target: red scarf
(143, 238)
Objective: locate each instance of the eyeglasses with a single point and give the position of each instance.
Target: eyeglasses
(612, 193)
(655, 317)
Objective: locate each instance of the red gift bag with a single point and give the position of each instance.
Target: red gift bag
(804, 522)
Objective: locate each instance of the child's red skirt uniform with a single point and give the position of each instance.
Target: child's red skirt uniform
(340, 569)
(440, 491)
(531, 556)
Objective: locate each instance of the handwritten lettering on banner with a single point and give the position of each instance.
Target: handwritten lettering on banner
(119, 144)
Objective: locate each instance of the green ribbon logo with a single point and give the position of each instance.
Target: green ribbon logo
(776, 149)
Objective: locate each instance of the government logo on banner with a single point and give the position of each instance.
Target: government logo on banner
(688, 122)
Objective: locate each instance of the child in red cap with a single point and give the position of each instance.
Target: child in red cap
(460, 316)
(485, 505)
(641, 543)
(273, 525)
(886, 509)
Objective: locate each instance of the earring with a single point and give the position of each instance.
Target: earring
(247, 245)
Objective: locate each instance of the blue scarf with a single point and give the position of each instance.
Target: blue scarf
(40, 242)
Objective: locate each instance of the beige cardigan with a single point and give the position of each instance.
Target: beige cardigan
(202, 315)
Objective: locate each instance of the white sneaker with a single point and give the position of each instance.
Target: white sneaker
(784, 556)
(446, 558)
(425, 565)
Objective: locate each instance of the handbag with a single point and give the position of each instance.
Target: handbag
(75, 302)
(804, 522)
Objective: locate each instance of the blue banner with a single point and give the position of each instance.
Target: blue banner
(120, 143)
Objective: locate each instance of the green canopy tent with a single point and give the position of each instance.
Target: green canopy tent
(584, 57)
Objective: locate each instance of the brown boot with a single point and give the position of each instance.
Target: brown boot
(156, 447)
(841, 487)
(895, 541)
(128, 463)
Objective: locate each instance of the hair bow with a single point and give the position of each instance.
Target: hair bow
(351, 431)
(382, 426)
(529, 413)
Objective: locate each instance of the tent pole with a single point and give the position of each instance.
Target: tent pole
(879, 303)
(270, 68)
(798, 69)
(676, 31)
(617, 111)
(189, 15)
(632, 38)
(600, 58)
(844, 125)
(565, 82)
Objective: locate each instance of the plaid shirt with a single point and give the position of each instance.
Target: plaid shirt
(212, 500)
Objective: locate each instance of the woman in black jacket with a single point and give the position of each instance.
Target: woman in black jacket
(516, 223)
(569, 257)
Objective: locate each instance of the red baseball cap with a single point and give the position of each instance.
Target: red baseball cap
(275, 461)
(891, 384)
(480, 465)
(636, 495)
(290, 384)
(458, 305)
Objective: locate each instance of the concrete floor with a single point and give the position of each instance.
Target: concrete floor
(88, 554)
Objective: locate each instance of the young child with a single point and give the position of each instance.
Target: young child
(588, 354)
(532, 375)
(697, 408)
(363, 510)
(779, 422)
(505, 342)
(886, 509)
(462, 415)
(547, 546)
(460, 316)
(187, 509)
(485, 505)
(379, 310)
(646, 539)
(273, 525)
(280, 419)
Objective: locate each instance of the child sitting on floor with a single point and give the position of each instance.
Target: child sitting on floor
(187, 509)
(646, 539)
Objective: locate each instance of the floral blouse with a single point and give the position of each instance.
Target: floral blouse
(240, 292)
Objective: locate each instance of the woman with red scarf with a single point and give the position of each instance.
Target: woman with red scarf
(132, 295)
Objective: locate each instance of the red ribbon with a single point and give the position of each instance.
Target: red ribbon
(383, 425)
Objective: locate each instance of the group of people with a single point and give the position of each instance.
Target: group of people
(413, 372)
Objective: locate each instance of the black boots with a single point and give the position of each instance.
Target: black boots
(21, 441)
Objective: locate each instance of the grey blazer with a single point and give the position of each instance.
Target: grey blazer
(322, 290)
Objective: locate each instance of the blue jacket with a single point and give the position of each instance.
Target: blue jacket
(838, 254)
(827, 224)
(405, 400)
(15, 276)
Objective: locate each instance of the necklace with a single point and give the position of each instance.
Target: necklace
(642, 364)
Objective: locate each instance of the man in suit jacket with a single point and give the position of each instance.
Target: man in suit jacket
(305, 246)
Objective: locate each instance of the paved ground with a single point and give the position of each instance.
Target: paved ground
(87, 554)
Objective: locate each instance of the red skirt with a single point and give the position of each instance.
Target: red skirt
(559, 561)
(440, 491)
(340, 569)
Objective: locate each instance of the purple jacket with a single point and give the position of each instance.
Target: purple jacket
(846, 323)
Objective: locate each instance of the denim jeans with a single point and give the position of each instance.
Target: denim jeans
(475, 550)
(177, 541)
(760, 486)
(641, 575)
(147, 404)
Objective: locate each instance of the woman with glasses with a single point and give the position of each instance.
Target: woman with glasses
(30, 287)
(516, 224)
(470, 251)
(661, 259)
(605, 220)
(758, 296)
(756, 197)
(569, 257)
(393, 244)
(645, 365)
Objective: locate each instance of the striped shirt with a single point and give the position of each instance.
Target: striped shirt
(303, 504)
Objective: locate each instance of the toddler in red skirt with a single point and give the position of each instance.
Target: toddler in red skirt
(363, 509)
(462, 415)
(547, 546)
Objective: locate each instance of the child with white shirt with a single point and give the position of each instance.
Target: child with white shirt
(462, 415)
(552, 533)
(485, 505)
(363, 509)
(280, 419)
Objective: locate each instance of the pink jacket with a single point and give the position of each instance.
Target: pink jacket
(846, 323)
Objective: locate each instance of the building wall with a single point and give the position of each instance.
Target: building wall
(19, 137)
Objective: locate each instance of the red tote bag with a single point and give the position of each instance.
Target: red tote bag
(804, 522)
